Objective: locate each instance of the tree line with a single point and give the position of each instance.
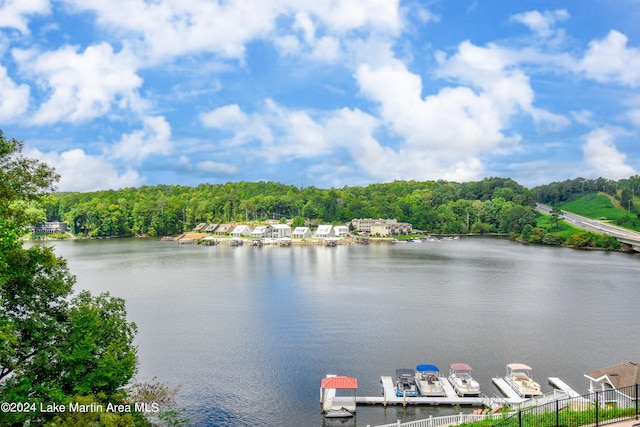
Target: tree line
(557, 193)
(492, 205)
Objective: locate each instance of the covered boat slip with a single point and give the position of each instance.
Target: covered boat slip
(451, 399)
(389, 397)
(338, 396)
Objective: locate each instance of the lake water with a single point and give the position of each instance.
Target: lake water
(248, 333)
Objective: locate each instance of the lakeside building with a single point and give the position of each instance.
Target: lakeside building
(279, 231)
(324, 231)
(301, 233)
(382, 227)
(340, 230)
(51, 227)
(224, 229)
(614, 377)
(242, 230)
(200, 227)
(260, 232)
(211, 228)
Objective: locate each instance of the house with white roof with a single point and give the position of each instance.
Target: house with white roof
(279, 231)
(241, 230)
(301, 233)
(261, 231)
(340, 230)
(324, 231)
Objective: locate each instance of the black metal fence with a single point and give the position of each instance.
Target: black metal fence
(595, 409)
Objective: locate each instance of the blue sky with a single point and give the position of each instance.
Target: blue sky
(121, 93)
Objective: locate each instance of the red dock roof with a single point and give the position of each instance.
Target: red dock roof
(339, 382)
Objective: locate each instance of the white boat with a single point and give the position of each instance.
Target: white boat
(520, 378)
(429, 381)
(462, 381)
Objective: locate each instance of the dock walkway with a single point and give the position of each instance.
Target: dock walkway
(506, 389)
(388, 396)
(561, 385)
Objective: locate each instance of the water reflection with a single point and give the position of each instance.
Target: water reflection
(248, 333)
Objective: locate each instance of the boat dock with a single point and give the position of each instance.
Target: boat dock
(510, 397)
(389, 397)
(562, 386)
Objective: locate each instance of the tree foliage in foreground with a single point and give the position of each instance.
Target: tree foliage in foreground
(55, 347)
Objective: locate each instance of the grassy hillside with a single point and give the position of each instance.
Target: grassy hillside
(604, 207)
(596, 206)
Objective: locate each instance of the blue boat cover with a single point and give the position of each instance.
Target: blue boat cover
(423, 368)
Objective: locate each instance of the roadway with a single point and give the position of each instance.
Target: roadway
(592, 224)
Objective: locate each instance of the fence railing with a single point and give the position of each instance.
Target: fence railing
(447, 420)
(596, 409)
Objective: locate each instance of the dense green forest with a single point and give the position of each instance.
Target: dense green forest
(492, 205)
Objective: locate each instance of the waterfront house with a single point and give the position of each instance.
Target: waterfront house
(614, 377)
(224, 229)
(340, 230)
(324, 230)
(382, 227)
(51, 227)
(241, 230)
(261, 232)
(279, 231)
(211, 228)
(198, 228)
(301, 233)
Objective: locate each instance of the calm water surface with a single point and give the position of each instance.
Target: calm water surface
(249, 333)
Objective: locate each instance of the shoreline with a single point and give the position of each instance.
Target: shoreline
(196, 237)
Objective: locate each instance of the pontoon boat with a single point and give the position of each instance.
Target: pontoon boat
(462, 381)
(519, 377)
(429, 380)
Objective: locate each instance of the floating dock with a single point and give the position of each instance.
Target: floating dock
(505, 388)
(388, 396)
(562, 386)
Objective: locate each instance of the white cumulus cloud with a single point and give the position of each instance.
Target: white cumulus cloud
(602, 156)
(153, 138)
(83, 172)
(610, 60)
(14, 100)
(14, 13)
(81, 85)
